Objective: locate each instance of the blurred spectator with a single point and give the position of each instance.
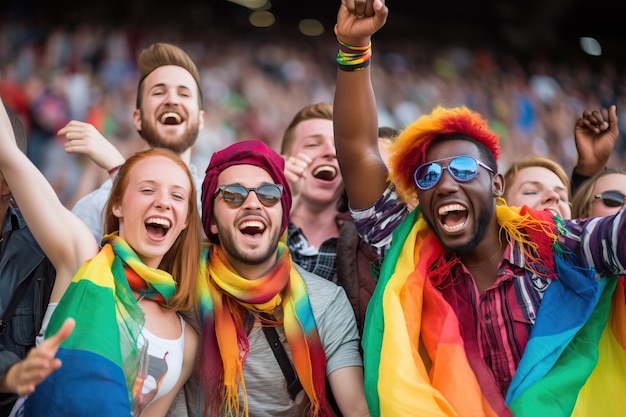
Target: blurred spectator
(601, 195)
(253, 83)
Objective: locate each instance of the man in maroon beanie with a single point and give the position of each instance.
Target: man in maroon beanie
(256, 305)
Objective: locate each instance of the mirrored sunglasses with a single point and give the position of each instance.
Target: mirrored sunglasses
(611, 198)
(462, 168)
(234, 194)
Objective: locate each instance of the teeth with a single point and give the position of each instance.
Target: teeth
(251, 223)
(326, 172)
(453, 228)
(161, 222)
(443, 210)
(325, 168)
(171, 114)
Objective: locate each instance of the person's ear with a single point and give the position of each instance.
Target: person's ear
(117, 211)
(201, 119)
(137, 119)
(497, 185)
(213, 228)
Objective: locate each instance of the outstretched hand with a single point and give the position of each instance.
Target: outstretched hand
(83, 138)
(595, 134)
(358, 20)
(24, 376)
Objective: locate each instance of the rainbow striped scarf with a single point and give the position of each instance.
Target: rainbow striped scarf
(101, 359)
(223, 297)
(416, 361)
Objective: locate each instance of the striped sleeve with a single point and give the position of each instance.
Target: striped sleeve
(376, 223)
(600, 243)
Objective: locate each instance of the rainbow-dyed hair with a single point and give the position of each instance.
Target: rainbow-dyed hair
(409, 149)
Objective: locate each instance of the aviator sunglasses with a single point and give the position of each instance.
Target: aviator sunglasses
(234, 194)
(462, 168)
(611, 198)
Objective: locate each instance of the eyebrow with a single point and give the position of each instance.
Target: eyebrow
(159, 85)
(316, 136)
(559, 187)
(152, 181)
(240, 184)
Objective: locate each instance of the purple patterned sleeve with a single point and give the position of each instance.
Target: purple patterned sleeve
(376, 223)
(600, 243)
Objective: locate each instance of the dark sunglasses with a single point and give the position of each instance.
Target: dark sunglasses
(235, 194)
(611, 198)
(462, 168)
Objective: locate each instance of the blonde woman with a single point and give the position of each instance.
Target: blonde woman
(539, 183)
(601, 195)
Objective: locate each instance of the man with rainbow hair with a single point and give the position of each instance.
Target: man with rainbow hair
(481, 309)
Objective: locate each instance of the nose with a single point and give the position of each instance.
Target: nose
(329, 150)
(550, 197)
(171, 96)
(252, 201)
(162, 200)
(447, 184)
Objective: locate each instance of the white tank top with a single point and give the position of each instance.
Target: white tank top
(165, 363)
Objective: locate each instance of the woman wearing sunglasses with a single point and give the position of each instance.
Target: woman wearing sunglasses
(601, 195)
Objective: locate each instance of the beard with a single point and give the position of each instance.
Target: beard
(178, 144)
(238, 255)
(484, 217)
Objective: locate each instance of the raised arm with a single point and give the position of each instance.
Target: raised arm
(595, 135)
(355, 117)
(64, 238)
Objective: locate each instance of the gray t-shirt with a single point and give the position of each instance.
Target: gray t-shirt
(336, 324)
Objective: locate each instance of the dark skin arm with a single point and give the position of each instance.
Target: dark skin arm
(355, 118)
(596, 134)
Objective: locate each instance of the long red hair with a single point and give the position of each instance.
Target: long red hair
(183, 258)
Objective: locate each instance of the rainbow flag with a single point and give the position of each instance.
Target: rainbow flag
(602, 393)
(416, 362)
(100, 358)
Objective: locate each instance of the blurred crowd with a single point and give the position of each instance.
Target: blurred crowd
(254, 82)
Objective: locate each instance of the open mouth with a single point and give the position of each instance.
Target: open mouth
(157, 226)
(453, 217)
(252, 227)
(171, 118)
(325, 172)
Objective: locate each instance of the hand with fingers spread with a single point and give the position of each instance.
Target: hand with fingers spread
(596, 134)
(83, 138)
(23, 377)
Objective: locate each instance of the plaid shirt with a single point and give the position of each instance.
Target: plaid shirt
(498, 321)
(322, 261)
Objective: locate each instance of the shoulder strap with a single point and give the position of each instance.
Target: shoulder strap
(15, 300)
(293, 383)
